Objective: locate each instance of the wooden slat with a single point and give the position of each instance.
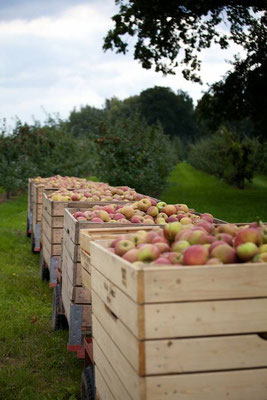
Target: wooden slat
(111, 378)
(86, 310)
(121, 336)
(85, 261)
(54, 235)
(86, 280)
(205, 354)
(73, 269)
(73, 248)
(103, 392)
(77, 294)
(180, 283)
(53, 248)
(233, 385)
(129, 312)
(204, 318)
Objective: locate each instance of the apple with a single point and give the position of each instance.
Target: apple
(117, 216)
(144, 204)
(248, 235)
(79, 214)
(127, 211)
(162, 215)
(246, 251)
(162, 260)
(180, 246)
(185, 220)
(153, 211)
(163, 247)
(131, 255)
(214, 261)
(195, 255)
(170, 230)
(263, 248)
(103, 215)
(225, 253)
(232, 229)
(172, 218)
(175, 258)
(161, 204)
(226, 237)
(208, 217)
(181, 207)
(122, 246)
(148, 252)
(198, 237)
(169, 209)
(97, 220)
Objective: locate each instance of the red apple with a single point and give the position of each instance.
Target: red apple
(196, 255)
(131, 255)
(225, 253)
(122, 246)
(248, 235)
(148, 252)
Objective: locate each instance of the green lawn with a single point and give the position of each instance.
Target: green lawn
(206, 193)
(34, 362)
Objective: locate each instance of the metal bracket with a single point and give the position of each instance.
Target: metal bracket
(53, 269)
(37, 237)
(75, 324)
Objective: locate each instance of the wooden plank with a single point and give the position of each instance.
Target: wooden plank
(129, 312)
(205, 354)
(123, 274)
(204, 318)
(120, 334)
(103, 392)
(230, 385)
(86, 235)
(73, 248)
(86, 280)
(54, 235)
(86, 310)
(77, 294)
(85, 262)
(53, 248)
(73, 269)
(46, 254)
(127, 375)
(111, 378)
(180, 283)
(53, 221)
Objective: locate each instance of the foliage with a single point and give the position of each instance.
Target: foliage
(164, 30)
(261, 158)
(226, 156)
(135, 154)
(85, 122)
(175, 112)
(239, 100)
(34, 150)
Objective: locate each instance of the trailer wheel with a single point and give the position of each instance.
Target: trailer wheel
(44, 271)
(88, 383)
(59, 321)
(28, 234)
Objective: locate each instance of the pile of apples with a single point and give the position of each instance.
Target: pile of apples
(145, 211)
(59, 181)
(180, 244)
(98, 192)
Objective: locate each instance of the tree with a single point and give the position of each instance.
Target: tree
(175, 112)
(168, 29)
(134, 153)
(84, 123)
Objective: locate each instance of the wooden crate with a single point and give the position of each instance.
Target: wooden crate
(178, 332)
(77, 295)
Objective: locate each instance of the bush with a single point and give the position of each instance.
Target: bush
(135, 154)
(226, 156)
(34, 150)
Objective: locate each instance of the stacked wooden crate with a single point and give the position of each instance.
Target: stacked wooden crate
(76, 298)
(178, 332)
(30, 204)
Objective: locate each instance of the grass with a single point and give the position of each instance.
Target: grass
(34, 362)
(206, 193)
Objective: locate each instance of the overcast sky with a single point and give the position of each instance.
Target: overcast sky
(52, 60)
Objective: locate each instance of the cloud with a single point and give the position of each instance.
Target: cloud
(54, 59)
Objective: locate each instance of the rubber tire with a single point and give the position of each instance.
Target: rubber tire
(59, 321)
(44, 271)
(88, 383)
(28, 234)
